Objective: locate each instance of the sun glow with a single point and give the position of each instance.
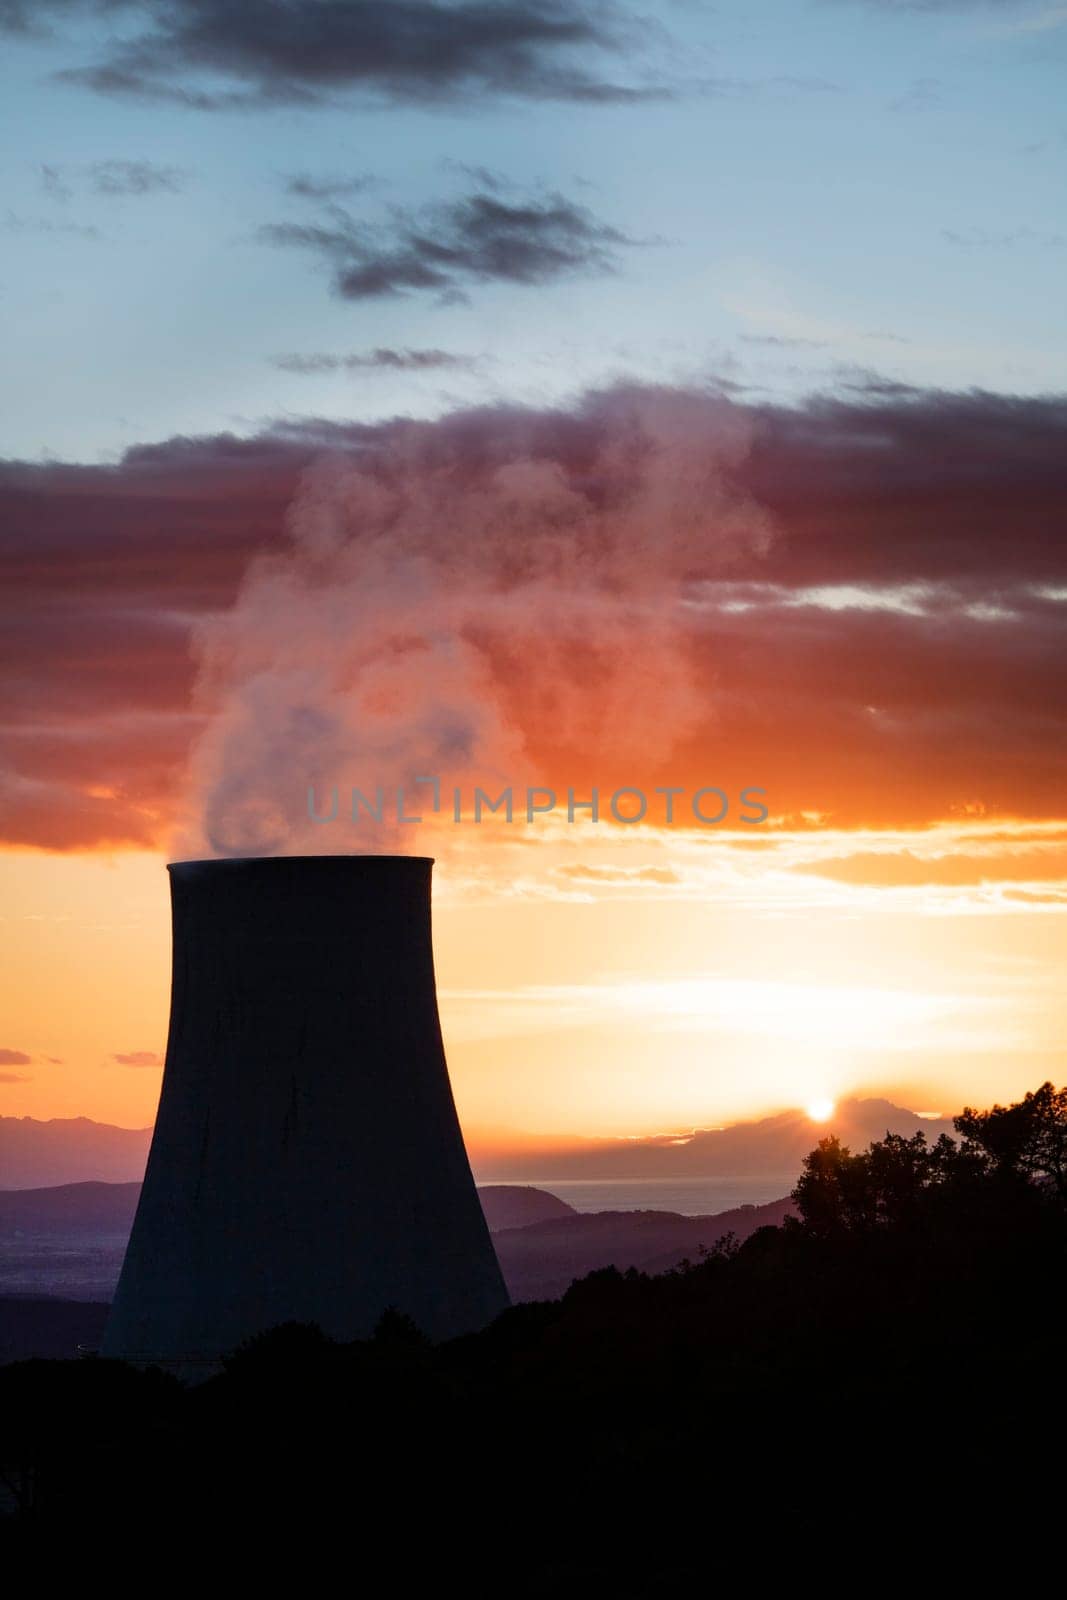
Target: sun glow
(820, 1110)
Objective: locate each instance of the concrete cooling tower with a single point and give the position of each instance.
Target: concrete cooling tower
(307, 1161)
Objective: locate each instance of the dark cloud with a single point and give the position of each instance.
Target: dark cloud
(114, 566)
(481, 177)
(916, 486)
(308, 187)
(14, 1058)
(14, 1077)
(940, 5)
(894, 657)
(137, 1058)
(477, 239)
(380, 360)
(37, 16)
(212, 54)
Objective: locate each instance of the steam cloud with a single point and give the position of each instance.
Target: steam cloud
(482, 605)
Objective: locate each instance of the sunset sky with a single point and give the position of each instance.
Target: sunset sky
(556, 394)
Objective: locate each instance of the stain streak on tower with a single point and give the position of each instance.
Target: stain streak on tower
(307, 1161)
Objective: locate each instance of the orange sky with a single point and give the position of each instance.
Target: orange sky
(857, 605)
(598, 984)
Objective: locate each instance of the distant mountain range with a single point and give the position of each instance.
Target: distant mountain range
(64, 1245)
(107, 1208)
(542, 1259)
(70, 1188)
(772, 1147)
(69, 1150)
(36, 1154)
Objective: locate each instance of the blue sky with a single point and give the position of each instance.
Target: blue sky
(816, 192)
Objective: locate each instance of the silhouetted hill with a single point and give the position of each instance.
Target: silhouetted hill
(541, 1261)
(109, 1207)
(68, 1150)
(508, 1205)
(68, 1242)
(69, 1208)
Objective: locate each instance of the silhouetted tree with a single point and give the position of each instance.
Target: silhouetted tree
(1025, 1140)
(834, 1190)
(288, 1344)
(899, 1181)
(396, 1330)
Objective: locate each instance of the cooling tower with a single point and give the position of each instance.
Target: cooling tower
(307, 1161)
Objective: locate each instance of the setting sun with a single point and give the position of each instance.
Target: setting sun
(820, 1110)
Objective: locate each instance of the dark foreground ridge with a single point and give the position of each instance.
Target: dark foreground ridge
(881, 1372)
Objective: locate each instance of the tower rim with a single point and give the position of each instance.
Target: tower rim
(262, 861)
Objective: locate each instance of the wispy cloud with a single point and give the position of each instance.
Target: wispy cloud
(308, 186)
(114, 177)
(922, 94)
(13, 223)
(477, 239)
(382, 359)
(134, 177)
(1044, 20)
(1003, 239)
(625, 876)
(842, 1016)
(903, 869)
(780, 342)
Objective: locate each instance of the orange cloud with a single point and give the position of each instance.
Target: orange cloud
(905, 869)
(890, 657)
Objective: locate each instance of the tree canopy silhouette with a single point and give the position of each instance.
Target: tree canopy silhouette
(1027, 1140)
(906, 1182)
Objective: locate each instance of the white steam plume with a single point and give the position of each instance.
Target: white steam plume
(457, 599)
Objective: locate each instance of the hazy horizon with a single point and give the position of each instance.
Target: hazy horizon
(767, 1152)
